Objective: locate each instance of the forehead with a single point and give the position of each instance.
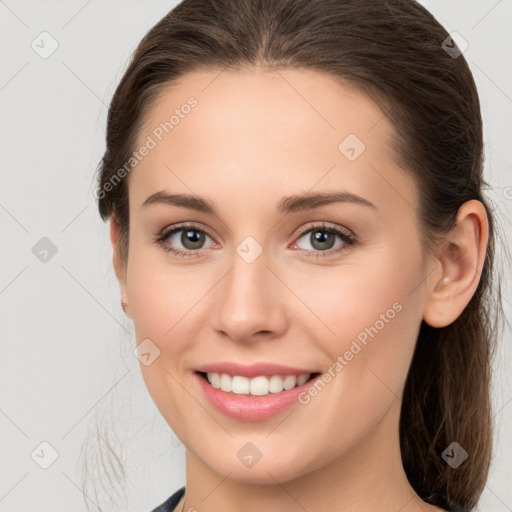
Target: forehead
(263, 130)
(265, 100)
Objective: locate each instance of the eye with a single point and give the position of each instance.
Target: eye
(190, 236)
(322, 239)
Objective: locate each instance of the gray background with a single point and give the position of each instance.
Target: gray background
(67, 366)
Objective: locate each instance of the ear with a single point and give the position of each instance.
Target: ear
(460, 257)
(119, 268)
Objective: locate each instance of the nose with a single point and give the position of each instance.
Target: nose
(250, 300)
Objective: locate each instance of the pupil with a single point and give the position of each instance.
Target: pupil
(324, 239)
(191, 237)
(321, 237)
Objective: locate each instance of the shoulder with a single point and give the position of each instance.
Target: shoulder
(169, 504)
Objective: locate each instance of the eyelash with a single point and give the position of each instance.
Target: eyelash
(348, 240)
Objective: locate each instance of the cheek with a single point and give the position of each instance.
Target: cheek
(354, 297)
(163, 300)
(370, 317)
(163, 296)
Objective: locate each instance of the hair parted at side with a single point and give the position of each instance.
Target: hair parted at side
(392, 51)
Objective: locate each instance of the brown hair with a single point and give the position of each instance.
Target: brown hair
(393, 51)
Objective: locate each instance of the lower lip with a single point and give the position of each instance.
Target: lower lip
(250, 407)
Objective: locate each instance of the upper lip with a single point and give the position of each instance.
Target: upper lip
(252, 370)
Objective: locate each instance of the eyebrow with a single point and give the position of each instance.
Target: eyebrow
(296, 203)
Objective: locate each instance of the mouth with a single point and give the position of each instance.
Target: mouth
(261, 385)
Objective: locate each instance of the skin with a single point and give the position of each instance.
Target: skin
(255, 137)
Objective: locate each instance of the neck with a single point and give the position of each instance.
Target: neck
(368, 476)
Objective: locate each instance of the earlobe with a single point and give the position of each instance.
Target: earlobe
(461, 257)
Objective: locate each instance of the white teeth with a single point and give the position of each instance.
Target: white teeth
(302, 379)
(239, 385)
(258, 386)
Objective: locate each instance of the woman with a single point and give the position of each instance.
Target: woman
(243, 138)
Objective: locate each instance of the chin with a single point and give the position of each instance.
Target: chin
(263, 472)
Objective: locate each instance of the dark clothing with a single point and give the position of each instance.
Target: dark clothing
(171, 502)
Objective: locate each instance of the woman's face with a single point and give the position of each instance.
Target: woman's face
(263, 280)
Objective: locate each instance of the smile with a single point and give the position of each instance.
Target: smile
(257, 386)
(240, 402)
